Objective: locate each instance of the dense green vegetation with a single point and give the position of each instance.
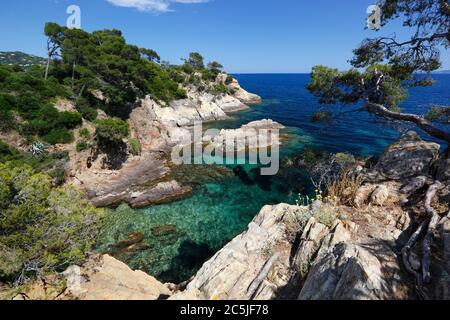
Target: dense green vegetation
(27, 96)
(135, 147)
(102, 60)
(42, 228)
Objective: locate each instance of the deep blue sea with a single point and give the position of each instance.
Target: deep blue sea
(223, 204)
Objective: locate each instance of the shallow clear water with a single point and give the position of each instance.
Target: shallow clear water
(180, 236)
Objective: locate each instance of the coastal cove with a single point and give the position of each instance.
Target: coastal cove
(173, 240)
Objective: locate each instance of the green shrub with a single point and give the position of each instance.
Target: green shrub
(219, 89)
(176, 75)
(45, 229)
(209, 75)
(437, 113)
(111, 130)
(88, 113)
(82, 146)
(69, 120)
(135, 147)
(7, 121)
(229, 80)
(8, 153)
(58, 136)
(83, 107)
(60, 155)
(343, 158)
(85, 133)
(58, 176)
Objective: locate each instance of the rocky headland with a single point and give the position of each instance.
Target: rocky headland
(147, 179)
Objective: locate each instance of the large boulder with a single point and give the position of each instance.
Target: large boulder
(101, 277)
(105, 278)
(347, 272)
(408, 157)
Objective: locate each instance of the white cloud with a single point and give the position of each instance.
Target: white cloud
(152, 5)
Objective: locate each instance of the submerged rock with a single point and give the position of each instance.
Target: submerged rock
(159, 231)
(135, 242)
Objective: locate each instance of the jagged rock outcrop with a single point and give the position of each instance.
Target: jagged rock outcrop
(443, 170)
(348, 260)
(406, 158)
(232, 272)
(139, 183)
(239, 93)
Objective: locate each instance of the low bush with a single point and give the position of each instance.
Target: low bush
(44, 229)
(345, 186)
(85, 133)
(82, 146)
(7, 121)
(8, 153)
(229, 80)
(135, 147)
(58, 136)
(111, 130)
(219, 89)
(86, 111)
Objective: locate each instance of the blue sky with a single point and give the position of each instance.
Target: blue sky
(245, 35)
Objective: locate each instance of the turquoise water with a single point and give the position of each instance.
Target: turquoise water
(179, 237)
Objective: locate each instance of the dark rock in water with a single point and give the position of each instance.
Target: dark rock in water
(133, 243)
(240, 172)
(165, 230)
(167, 235)
(264, 182)
(132, 239)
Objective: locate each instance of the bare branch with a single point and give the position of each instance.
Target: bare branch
(420, 121)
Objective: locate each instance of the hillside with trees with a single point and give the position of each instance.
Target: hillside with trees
(46, 226)
(20, 58)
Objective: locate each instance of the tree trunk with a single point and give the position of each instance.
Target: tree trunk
(421, 122)
(47, 67)
(73, 74)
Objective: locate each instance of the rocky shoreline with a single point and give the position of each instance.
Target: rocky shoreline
(146, 179)
(322, 251)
